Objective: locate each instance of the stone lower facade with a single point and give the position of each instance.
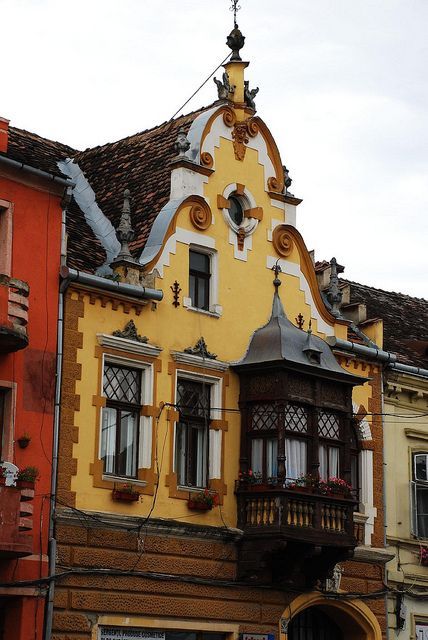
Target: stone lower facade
(174, 576)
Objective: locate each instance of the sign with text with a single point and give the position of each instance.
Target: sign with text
(129, 633)
(421, 631)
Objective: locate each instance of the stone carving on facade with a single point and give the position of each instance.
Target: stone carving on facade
(200, 349)
(240, 139)
(182, 144)
(249, 95)
(224, 88)
(124, 232)
(130, 333)
(332, 584)
(287, 181)
(333, 293)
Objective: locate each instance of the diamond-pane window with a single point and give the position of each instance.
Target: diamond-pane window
(122, 384)
(328, 425)
(296, 419)
(263, 417)
(193, 398)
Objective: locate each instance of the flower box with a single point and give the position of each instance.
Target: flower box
(125, 496)
(198, 506)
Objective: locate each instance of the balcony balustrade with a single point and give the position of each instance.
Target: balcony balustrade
(16, 522)
(13, 314)
(285, 529)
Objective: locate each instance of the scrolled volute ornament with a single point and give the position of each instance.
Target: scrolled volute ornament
(200, 216)
(207, 159)
(229, 117)
(282, 241)
(252, 128)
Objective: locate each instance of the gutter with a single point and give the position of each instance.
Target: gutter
(406, 368)
(134, 291)
(37, 172)
(372, 353)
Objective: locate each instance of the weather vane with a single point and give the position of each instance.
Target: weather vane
(235, 7)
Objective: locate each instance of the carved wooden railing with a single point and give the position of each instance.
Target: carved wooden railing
(302, 515)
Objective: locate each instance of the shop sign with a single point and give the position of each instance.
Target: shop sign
(422, 632)
(260, 636)
(129, 633)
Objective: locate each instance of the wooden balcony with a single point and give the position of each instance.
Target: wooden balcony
(16, 522)
(13, 314)
(292, 535)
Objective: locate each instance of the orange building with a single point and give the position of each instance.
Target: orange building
(31, 190)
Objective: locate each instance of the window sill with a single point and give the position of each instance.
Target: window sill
(124, 480)
(212, 314)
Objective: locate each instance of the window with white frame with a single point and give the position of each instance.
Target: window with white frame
(420, 494)
(199, 279)
(192, 432)
(122, 387)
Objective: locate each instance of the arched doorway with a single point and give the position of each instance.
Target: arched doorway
(314, 624)
(314, 616)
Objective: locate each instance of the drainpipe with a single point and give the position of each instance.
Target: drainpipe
(68, 276)
(14, 164)
(384, 501)
(60, 338)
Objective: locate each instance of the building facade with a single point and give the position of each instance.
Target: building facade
(31, 191)
(220, 444)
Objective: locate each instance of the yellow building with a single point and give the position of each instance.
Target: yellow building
(216, 461)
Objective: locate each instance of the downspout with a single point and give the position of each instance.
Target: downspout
(72, 275)
(384, 501)
(57, 408)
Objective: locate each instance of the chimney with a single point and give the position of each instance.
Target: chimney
(4, 134)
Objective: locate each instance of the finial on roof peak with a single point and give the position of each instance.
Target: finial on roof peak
(333, 293)
(125, 232)
(235, 39)
(276, 269)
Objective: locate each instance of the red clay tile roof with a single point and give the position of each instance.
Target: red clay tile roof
(140, 163)
(36, 151)
(405, 321)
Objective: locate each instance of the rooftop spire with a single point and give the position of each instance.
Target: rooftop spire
(125, 232)
(334, 294)
(235, 39)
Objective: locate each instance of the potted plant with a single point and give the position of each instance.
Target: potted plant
(202, 500)
(423, 556)
(24, 440)
(125, 493)
(335, 487)
(306, 483)
(249, 477)
(26, 477)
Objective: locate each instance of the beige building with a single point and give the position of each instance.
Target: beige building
(405, 419)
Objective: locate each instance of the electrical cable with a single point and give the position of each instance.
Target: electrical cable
(200, 87)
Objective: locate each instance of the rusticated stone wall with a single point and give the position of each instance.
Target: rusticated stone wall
(81, 597)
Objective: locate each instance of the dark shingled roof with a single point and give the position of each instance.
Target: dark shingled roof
(405, 321)
(37, 152)
(140, 163)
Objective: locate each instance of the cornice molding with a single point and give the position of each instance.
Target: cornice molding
(128, 346)
(372, 554)
(198, 361)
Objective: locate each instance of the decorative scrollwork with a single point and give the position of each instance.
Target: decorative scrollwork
(207, 159)
(282, 241)
(273, 184)
(200, 216)
(252, 127)
(229, 117)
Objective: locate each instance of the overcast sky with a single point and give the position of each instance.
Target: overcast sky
(343, 88)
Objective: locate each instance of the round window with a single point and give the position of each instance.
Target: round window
(236, 212)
